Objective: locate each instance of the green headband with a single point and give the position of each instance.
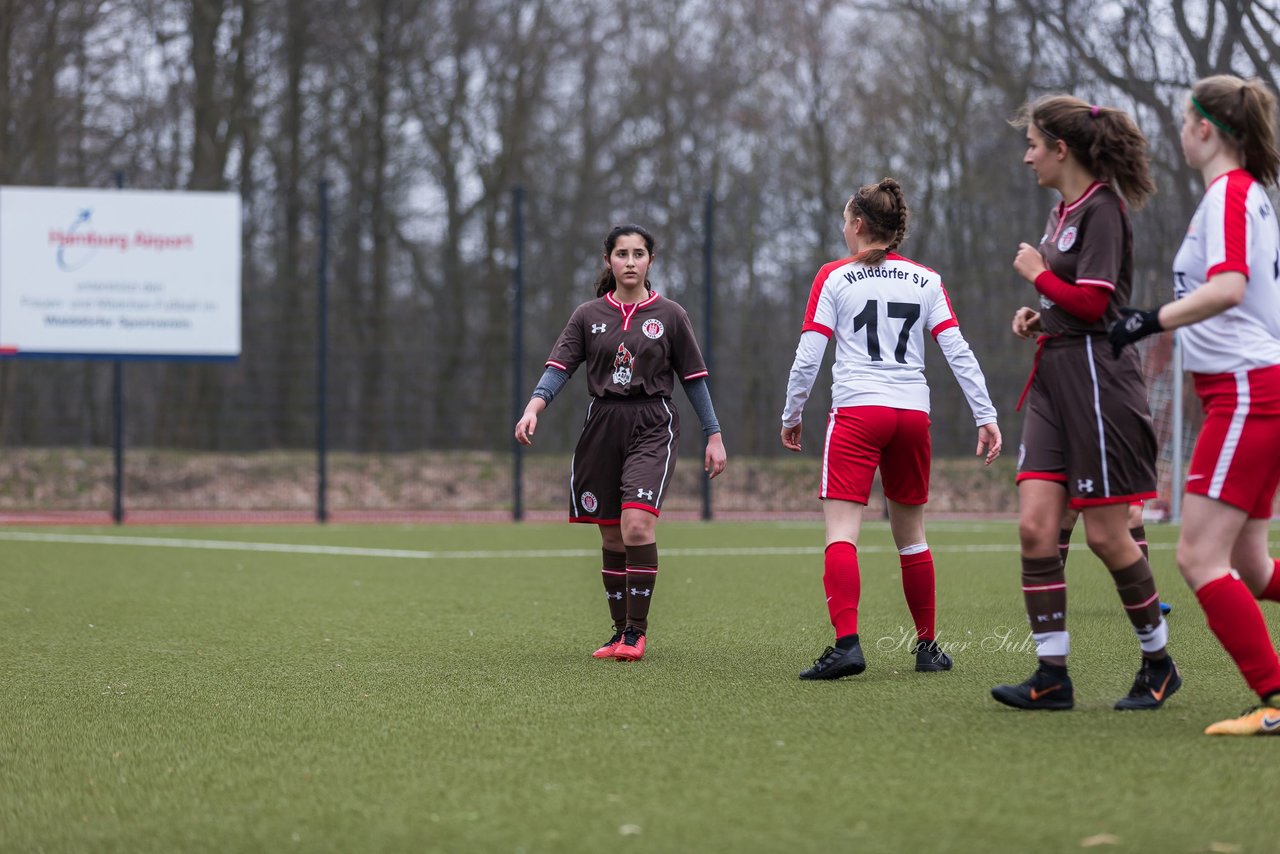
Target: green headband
(1231, 132)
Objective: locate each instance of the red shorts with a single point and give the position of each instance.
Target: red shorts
(862, 438)
(1237, 455)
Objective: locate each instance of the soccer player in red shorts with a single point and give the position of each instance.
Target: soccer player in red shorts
(1227, 309)
(877, 306)
(1087, 437)
(635, 345)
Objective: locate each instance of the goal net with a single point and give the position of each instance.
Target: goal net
(1176, 413)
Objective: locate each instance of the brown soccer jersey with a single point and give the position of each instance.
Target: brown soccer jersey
(636, 350)
(1090, 243)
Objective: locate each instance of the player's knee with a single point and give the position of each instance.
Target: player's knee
(638, 528)
(1038, 536)
(1115, 550)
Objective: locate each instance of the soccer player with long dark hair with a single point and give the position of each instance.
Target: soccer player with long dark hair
(1087, 437)
(636, 345)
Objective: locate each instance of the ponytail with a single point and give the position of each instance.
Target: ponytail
(1244, 114)
(883, 210)
(1104, 140)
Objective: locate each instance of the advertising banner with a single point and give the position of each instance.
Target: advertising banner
(125, 273)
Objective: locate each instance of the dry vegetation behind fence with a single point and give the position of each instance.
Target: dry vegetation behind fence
(82, 479)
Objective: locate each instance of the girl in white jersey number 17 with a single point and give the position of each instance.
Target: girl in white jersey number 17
(877, 306)
(1227, 289)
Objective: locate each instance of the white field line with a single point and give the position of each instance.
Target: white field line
(481, 554)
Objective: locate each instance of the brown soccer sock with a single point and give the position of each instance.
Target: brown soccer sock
(642, 572)
(1139, 534)
(1064, 544)
(1137, 591)
(614, 573)
(1044, 590)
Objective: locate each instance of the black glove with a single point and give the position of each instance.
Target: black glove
(1134, 325)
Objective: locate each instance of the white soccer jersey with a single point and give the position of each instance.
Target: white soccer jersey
(878, 316)
(1233, 230)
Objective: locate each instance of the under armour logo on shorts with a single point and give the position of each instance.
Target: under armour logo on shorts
(646, 495)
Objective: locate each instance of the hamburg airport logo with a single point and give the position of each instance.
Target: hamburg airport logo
(79, 242)
(77, 246)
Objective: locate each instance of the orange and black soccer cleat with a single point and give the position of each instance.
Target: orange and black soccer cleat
(1043, 690)
(1154, 684)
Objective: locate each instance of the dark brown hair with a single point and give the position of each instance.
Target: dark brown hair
(1244, 112)
(883, 211)
(1104, 140)
(605, 283)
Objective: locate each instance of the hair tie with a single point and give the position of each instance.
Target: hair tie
(1094, 110)
(1231, 132)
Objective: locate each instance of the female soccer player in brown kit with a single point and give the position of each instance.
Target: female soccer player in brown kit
(877, 305)
(1087, 437)
(1227, 301)
(635, 345)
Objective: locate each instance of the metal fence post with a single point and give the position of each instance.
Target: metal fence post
(517, 348)
(322, 359)
(708, 246)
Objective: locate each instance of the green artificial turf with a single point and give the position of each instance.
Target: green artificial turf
(397, 692)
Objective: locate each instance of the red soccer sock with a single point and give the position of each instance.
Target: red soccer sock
(920, 590)
(843, 583)
(1234, 617)
(1272, 591)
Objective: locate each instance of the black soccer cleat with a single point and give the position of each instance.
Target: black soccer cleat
(1042, 690)
(1154, 684)
(834, 663)
(930, 658)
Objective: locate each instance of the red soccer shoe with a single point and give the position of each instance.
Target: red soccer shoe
(631, 647)
(609, 648)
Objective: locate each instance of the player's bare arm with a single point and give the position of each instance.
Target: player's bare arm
(714, 461)
(528, 422)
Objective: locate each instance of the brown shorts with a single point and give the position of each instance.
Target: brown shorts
(1087, 424)
(624, 459)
